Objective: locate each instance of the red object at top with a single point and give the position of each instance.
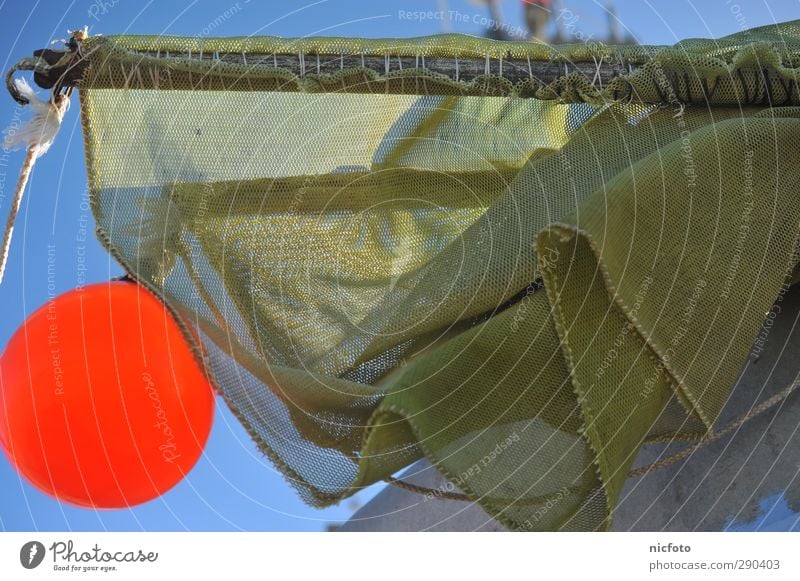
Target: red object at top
(102, 402)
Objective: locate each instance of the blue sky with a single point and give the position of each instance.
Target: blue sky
(234, 487)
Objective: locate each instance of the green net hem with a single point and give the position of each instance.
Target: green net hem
(757, 68)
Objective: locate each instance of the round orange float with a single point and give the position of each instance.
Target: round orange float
(102, 402)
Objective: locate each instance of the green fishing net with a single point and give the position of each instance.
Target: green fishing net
(521, 282)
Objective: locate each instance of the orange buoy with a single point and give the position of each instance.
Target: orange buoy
(102, 402)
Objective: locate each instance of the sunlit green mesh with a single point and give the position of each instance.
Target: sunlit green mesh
(522, 290)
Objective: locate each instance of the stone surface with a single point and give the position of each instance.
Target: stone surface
(396, 509)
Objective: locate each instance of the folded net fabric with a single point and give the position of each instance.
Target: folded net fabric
(523, 282)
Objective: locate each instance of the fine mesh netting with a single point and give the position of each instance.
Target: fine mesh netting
(523, 290)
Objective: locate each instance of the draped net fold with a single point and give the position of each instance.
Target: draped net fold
(522, 285)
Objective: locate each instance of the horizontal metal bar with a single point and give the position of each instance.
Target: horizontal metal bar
(54, 70)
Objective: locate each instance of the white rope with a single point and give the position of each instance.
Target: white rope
(24, 173)
(37, 134)
(597, 78)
